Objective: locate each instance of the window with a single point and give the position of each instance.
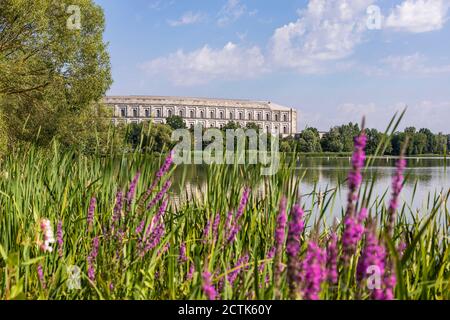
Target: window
(147, 113)
(249, 116)
(201, 114)
(135, 113)
(285, 130)
(276, 117)
(259, 116)
(267, 117)
(123, 112)
(169, 113)
(181, 113)
(211, 114)
(231, 115)
(284, 118)
(221, 115)
(192, 113)
(158, 113)
(240, 115)
(267, 129)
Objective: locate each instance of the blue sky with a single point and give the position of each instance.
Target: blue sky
(332, 60)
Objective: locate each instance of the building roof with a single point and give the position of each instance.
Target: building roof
(192, 101)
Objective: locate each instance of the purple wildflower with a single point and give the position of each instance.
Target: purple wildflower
(332, 252)
(132, 190)
(208, 288)
(237, 269)
(40, 273)
(296, 227)
(355, 176)
(118, 206)
(140, 227)
(91, 259)
(59, 238)
(155, 231)
(90, 216)
(243, 203)
(190, 273)
(182, 257)
(161, 172)
(160, 194)
(313, 271)
(215, 227)
(373, 256)
(353, 232)
(397, 185)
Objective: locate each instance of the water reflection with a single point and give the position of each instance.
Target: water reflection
(321, 174)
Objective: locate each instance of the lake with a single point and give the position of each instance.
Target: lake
(424, 176)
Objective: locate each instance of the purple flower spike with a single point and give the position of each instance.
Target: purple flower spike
(59, 238)
(132, 190)
(91, 259)
(40, 273)
(397, 185)
(182, 257)
(332, 253)
(90, 216)
(118, 207)
(208, 288)
(238, 267)
(313, 271)
(296, 227)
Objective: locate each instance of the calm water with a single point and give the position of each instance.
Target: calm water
(430, 174)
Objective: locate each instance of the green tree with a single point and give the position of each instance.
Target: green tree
(175, 122)
(309, 141)
(331, 141)
(50, 70)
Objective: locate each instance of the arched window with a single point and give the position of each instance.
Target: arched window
(240, 115)
(267, 117)
(158, 113)
(147, 113)
(267, 129)
(285, 130)
(231, 115)
(284, 118)
(135, 113)
(123, 112)
(201, 114)
(276, 117)
(181, 113)
(259, 116)
(169, 113)
(212, 114)
(221, 114)
(249, 116)
(192, 113)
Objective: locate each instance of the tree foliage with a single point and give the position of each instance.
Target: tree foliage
(50, 73)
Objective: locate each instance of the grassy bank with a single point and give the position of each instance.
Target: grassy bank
(228, 243)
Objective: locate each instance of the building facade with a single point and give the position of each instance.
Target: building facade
(210, 113)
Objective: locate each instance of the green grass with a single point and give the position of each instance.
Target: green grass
(38, 184)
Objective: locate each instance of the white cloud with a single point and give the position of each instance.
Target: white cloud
(325, 31)
(418, 16)
(415, 63)
(231, 12)
(206, 64)
(187, 18)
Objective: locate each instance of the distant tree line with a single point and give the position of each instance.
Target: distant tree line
(339, 139)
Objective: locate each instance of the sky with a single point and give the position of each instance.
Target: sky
(334, 61)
